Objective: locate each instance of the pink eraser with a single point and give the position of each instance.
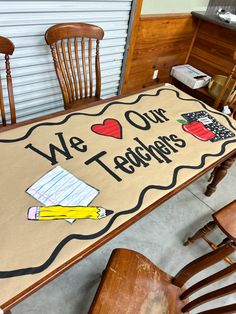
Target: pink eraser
(32, 213)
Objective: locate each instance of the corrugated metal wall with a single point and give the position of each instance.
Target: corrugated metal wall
(35, 83)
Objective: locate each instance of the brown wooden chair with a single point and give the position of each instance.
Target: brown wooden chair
(71, 46)
(133, 284)
(227, 95)
(225, 219)
(7, 48)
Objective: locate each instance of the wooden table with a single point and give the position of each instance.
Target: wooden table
(138, 151)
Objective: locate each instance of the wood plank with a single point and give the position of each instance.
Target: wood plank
(124, 88)
(164, 40)
(213, 49)
(161, 42)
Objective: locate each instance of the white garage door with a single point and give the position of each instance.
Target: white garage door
(35, 83)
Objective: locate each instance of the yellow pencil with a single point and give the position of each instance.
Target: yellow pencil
(66, 212)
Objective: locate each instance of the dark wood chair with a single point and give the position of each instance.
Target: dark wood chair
(227, 95)
(75, 62)
(7, 48)
(225, 219)
(133, 284)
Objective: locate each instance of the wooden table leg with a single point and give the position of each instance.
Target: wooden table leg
(219, 174)
(8, 312)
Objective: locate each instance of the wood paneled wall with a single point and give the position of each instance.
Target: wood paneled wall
(161, 42)
(213, 49)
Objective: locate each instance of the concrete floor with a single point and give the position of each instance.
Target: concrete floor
(159, 236)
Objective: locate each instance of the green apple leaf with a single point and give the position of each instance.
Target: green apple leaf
(182, 121)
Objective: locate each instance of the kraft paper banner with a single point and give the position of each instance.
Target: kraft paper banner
(133, 151)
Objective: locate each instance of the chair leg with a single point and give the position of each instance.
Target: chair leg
(201, 232)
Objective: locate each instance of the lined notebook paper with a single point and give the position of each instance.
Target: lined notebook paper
(59, 187)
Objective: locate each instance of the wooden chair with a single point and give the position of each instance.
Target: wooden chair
(133, 284)
(225, 219)
(227, 96)
(7, 48)
(71, 46)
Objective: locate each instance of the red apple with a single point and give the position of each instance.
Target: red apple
(197, 129)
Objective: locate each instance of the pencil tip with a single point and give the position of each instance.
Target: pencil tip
(109, 212)
(103, 212)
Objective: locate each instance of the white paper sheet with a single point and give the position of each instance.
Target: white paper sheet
(59, 187)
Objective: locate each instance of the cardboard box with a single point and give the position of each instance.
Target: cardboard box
(190, 76)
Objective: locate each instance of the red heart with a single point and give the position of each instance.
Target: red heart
(110, 127)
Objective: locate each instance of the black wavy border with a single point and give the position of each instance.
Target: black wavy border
(30, 131)
(59, 247)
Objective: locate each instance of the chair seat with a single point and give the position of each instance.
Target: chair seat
(225, 218)
(148, 290)
(81, 102)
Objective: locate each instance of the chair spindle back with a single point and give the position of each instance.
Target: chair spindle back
(7, 48)
(198, 265)
(75, 59)
(230, 99)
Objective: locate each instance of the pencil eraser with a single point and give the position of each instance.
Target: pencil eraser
(32, 213)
